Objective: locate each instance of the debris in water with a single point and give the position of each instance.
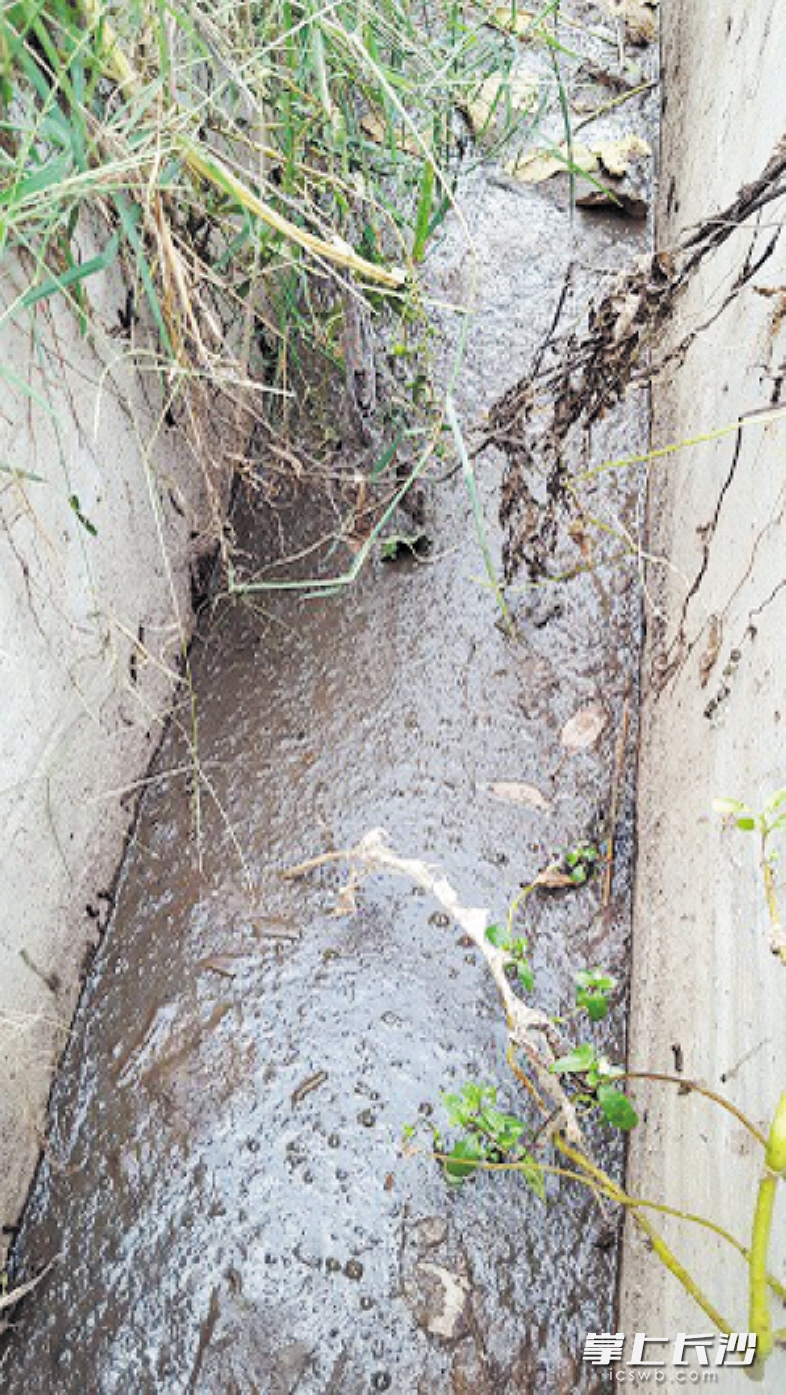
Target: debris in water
(554, 879)
(439, 1300)
(305, 1088)
(590, 369)
(615, 157)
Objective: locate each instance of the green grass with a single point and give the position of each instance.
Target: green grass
(246, 167)
(208, 147)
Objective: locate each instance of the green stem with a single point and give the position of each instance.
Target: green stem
(760, 1319)
(662, 1250)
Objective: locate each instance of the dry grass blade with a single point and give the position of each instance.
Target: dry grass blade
(9, 1300)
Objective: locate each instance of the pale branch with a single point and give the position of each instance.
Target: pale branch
(531, 1031)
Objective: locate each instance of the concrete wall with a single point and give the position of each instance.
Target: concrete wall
(92, 628)
(714, 720)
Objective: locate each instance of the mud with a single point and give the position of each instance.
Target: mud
(223, 1196)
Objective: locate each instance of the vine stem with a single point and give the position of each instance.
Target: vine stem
(632, 1203)
(662, 1250)
(693, 1086)
(760, 1314)
(530, 1031)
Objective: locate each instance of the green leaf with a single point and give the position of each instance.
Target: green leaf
(463, 1108)
(54, 172)
(525, 975)
(456, 1109)
(498, 936)
(582, 853)
(532, 1173)
(423, 216)
(592, 989)
(595, 1004)
(747, 824)
(730, 806)
(504, 1129)
(576, 1062)
(130, 215)
(775, 801)
(477, 1095)
(595, 980)
(465, 1156)
(89, 527)
(20, 474)
(605, 1070)
(399, 544)
(617, 1108)
(77, 273)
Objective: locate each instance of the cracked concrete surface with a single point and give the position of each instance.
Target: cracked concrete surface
(707, 992)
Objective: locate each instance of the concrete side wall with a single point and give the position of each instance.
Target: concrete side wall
(705, 986)
(92, 626)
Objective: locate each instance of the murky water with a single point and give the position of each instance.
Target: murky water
(224, 1199)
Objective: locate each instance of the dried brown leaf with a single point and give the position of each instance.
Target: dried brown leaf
(517, 92)
(552, 879)
(583, 729)
(540, 165)
(616, 156)
(516, 21)
(376, 129)
(516, 792)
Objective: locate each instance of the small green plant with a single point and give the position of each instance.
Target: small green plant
(770, 819)
(765, 821)
(398, 545)
(560, 1089)
(514, 948)
(593, 988)
(597, 1075)
(488, 1136)
(571, 867)
(594, 1074)
(581, 861)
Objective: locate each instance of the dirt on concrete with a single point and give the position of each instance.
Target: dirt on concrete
(707, 992)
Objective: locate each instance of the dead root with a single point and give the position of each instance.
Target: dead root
(530, 1032)
(536, 423)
